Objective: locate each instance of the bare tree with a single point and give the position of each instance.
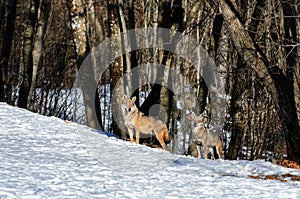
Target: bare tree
(274, 79)
(7, 39)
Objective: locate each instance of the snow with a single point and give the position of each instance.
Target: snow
(45, 157)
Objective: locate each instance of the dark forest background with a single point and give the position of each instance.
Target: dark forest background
(254, 44)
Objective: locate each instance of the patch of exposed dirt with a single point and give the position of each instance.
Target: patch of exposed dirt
(282, 178)
(289, 164)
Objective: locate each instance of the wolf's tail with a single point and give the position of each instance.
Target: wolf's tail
(163, 136)
(166, 134)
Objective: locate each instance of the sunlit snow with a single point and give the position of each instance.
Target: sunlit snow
(45, 157)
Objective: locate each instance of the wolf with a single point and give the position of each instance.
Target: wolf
(202, 136)
(136, 120)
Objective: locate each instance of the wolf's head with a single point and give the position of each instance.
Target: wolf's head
(199, 119)
(128, 106)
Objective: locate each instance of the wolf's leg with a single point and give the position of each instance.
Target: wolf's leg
(130, 131)
(199, 151)
(219, 148)
(218, 153)
(205, 150)
(212, 152)
(137, 134)
(160, 136)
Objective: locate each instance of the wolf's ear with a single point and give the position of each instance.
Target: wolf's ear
(133, 98)
(193, 114)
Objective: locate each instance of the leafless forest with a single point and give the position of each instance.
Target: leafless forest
(253, 43)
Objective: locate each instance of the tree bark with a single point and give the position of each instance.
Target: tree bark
(79, 18)
(126, 46)
(38, 46)
(237, 126)
(7, 41)
(27, 53)
(95, 33)
(116, 70)
(78, 24)
(133, 58)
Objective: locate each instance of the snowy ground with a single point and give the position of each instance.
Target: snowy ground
(45, 157)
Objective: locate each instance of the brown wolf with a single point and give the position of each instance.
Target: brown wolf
(136, 120)
(202, 136)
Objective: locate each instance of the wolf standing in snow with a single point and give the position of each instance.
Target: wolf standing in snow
(136, 120)
(202, 136)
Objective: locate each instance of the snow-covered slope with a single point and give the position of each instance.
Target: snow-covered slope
(45, 157)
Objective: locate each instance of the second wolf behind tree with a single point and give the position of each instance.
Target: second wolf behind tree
(205, 138)
(136, 121)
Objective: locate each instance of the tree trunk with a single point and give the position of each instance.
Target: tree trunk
(78, 24)
(273, 77)
(38, 46)
(116, 71)
(237, 127)
(164, 20)
(27, 52)
(79, 17)
(7, 41)
(95, 33)
(2, 10)
(2, 66)
(133, 56)
(126, 47)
